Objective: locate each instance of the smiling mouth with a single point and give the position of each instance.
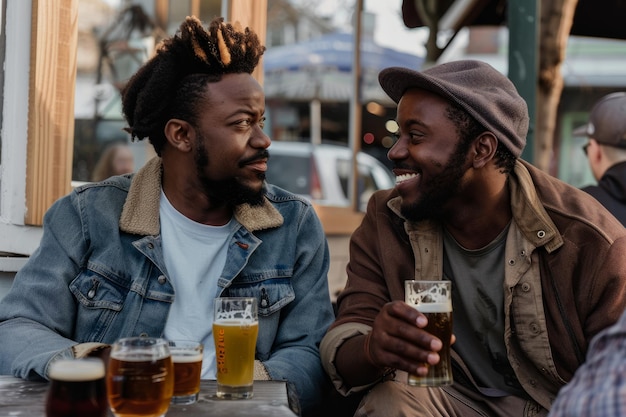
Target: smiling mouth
(405, 177)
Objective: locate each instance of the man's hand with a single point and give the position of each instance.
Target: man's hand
(397, 340)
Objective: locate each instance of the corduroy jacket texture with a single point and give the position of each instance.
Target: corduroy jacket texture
(565, 277)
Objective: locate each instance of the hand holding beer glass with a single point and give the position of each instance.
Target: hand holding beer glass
(434, 300)
(77, 388)
(187, 358)
(235, 329)
(140, 377)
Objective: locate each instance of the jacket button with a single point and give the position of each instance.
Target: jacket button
(534, 328)
(525, 287)
(162, 280)
(143, 334)
(541, 234)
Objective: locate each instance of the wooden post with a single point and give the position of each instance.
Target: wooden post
(253, 14)
(54, 34)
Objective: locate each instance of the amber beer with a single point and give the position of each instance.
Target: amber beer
(140, 382)
(187, 359)
(434, 300)
(440, 326)
(77, 388)
(235, 343)
(235, 329)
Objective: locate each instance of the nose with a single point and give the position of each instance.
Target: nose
(260, 139)
(398, 151)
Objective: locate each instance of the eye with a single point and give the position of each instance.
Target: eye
(262, 122)
(244, 122)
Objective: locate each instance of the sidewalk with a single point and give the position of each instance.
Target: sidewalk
(338, 247)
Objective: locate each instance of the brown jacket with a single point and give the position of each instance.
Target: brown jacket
(565, 276)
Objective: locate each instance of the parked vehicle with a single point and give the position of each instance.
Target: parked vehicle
(321, 173)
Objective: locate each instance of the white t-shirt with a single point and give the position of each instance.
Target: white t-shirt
(194, 255)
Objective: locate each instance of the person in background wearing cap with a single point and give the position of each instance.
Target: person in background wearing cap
(606, 151)
(537, 266)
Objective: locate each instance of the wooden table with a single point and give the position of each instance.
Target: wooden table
(19, 398)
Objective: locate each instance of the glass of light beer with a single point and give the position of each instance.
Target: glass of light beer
(140, 377)
(77, 388)
(434, 300)
(187, 359)
(235, 329)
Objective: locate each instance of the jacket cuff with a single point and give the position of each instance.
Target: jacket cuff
(260, 373)
(328, 351)
(83, 350)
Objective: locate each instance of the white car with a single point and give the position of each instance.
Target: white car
(321, 173)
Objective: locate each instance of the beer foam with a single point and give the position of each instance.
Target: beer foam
(433, 307)
(236, 322)
(76, 370)
(186, 357)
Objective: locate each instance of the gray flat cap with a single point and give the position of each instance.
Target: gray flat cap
(486, 94)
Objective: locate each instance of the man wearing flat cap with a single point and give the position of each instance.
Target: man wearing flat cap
(606, 151)
(536, 265)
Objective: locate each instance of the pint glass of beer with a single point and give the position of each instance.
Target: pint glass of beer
(77, 388)
(140, 377)
(434, 300)
(187, 359)
(235, 329)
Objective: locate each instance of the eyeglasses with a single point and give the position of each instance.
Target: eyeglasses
(585, 147)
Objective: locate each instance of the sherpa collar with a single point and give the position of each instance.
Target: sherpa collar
(140, 214)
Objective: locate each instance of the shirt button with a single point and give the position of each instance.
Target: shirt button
(541, 234)
(150, 245)
(525, 287)
(162, 280)
(143, 334)
(534, 328)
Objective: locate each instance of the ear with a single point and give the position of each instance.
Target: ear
(179, 134)
(485, 146)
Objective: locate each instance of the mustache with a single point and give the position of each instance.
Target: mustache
(264, 154)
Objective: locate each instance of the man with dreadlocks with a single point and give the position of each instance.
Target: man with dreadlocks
(146, 254)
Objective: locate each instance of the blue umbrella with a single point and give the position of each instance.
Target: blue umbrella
(320, 68)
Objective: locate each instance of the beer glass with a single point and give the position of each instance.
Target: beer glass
(235, 329)
(434, 300)
(187, 359)
(140, 377)
(77, 388)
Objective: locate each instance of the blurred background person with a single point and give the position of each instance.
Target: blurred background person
(606, 151)
(117, 159)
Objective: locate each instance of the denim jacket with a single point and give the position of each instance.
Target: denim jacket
(99, 275)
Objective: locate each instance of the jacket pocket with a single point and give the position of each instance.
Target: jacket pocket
(272, 294)
(99, 302)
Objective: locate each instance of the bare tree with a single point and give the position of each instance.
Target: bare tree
(557, 17)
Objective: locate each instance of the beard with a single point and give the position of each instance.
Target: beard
(440, 189)
(229, 191)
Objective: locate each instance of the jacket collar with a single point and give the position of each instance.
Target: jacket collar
(528, 211)
(140, 214)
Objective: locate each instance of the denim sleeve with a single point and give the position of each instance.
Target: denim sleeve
(295, 355)
(37, 315)
(599, 386)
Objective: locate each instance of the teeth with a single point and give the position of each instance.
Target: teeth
(404, 177)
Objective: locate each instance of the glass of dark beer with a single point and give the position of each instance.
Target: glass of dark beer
(77, 388)
(140, 377)
(187, 359)
(434, 300)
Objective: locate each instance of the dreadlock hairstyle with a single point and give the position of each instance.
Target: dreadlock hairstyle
(172, 83)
